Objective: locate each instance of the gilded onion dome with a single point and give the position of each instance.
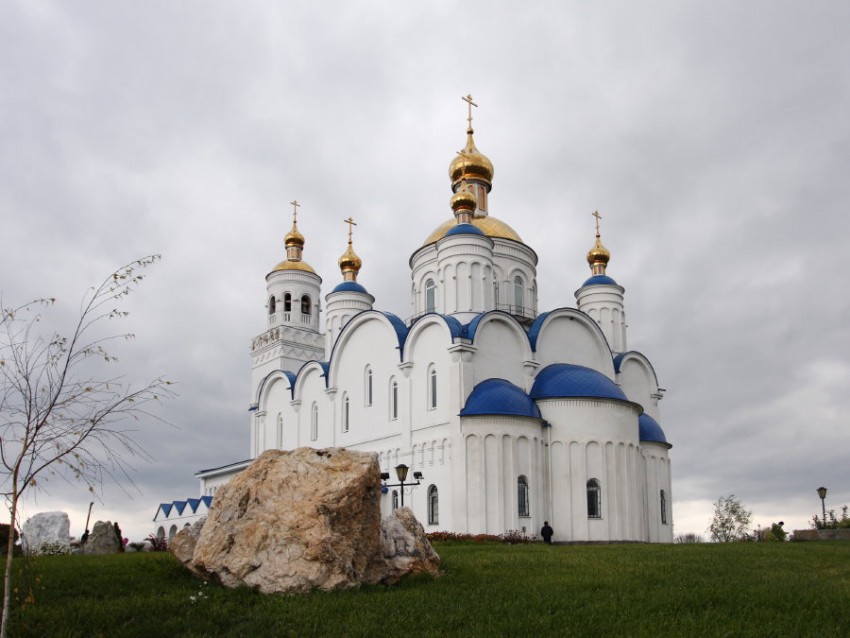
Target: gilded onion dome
(349, 262)
(463, 204)
(470, 163)
(294, 242)
(598, 256)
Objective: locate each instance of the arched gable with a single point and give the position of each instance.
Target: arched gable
(501, 348)
(636, 376)
(312, 372)
(367, 335)
(567, 335)
(450, 327)
(272, 378)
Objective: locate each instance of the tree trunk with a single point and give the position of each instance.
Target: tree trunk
(10, 550)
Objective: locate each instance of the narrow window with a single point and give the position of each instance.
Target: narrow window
(430, 296)
(522, 497)
(368, 386)
(663, 508)
(272, 305)
(394, 400)
(314, 423)
(518, 292)
(594, 499)
(305, 305)
(279, 431)
(432, 388)
(395, 500)
(345, 414)
(287, 303)
(172, 532)
(433, 506)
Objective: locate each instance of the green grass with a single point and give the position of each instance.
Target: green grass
(764, 589)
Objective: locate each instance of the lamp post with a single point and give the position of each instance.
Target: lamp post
(822, 494)
(401, 472)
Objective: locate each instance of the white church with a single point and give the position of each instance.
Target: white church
(505, 416)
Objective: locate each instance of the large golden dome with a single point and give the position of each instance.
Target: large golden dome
(489, 225)
(288, 264)
(470, 163)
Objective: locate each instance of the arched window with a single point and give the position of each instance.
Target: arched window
(523, 506)
(663, 508)
(305, 305)
(432, 388)
(368, 389)
(314, 423)
(272, 305)
(594, 499)
(430, 296)
(287, 303)
(395, 500)
(433, 506)
(172, 532)
(345, 413)
(518, 293)
(160, 533)
(393, 400)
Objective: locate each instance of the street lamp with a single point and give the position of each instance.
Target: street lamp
(822, 494)
(401, 472)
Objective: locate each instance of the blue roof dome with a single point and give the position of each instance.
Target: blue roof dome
(497, 396)
(561, 380)
(597, 280)
(649, 430)
(349, 286)
(463, 229)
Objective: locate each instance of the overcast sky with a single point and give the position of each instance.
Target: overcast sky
(713, 137)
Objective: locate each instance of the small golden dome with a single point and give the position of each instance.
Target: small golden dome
(349, 260)
(489, 225)
(463, 200)
(598, 254)
(293, 237)
(471, 163)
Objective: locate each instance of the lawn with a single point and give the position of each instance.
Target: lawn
(752, 589)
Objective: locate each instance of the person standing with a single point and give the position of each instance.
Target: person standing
(546, 532)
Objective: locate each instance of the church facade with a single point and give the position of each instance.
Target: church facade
(505, 415)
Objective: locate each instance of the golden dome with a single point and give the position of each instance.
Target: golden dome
(350, 260)
(489, 225)
(293, 237)
(471, 163)
(463, 200)
(288, 264)
(598, 254)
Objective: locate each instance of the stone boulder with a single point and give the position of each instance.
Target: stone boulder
(102, 539)
(294, 521)
(184, 542)
(47, 531)
(406, 547)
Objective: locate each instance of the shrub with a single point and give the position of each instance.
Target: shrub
(832, 521)
(157, 544)
(690, 537)
(516, 537)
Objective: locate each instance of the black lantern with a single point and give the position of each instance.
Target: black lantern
(401, 472)
(822, 494)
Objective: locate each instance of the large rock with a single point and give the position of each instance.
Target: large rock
(47, 531)
(302, 520)
(102, 539)
(405, 546)
(184, 542)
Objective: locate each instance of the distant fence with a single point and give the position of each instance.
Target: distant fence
(821, 535)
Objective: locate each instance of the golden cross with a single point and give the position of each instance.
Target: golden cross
(295, 206)
(351, 223)
(598, 217)
(468, 100)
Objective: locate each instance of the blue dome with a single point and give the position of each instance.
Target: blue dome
(497, 396)
(463, 229)
(597, 280)
(349, 286)
(649, 430)
(561, 380)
